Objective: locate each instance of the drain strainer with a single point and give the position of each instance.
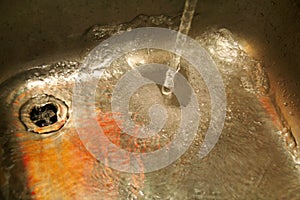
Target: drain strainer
(44, 114)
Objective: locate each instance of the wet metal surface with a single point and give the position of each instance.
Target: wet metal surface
(257, 156)
(250, 161)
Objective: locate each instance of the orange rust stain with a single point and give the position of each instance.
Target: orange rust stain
(268, 105)
(113, 132)
(55, 171)
(61, 168)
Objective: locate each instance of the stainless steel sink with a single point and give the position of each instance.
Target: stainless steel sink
(255, 45)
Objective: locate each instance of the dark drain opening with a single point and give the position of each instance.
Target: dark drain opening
(44, 115)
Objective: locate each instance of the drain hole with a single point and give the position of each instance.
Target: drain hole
(44, 115)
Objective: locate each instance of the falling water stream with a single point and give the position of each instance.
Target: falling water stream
(184, 28)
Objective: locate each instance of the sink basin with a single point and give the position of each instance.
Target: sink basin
(46, 154)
